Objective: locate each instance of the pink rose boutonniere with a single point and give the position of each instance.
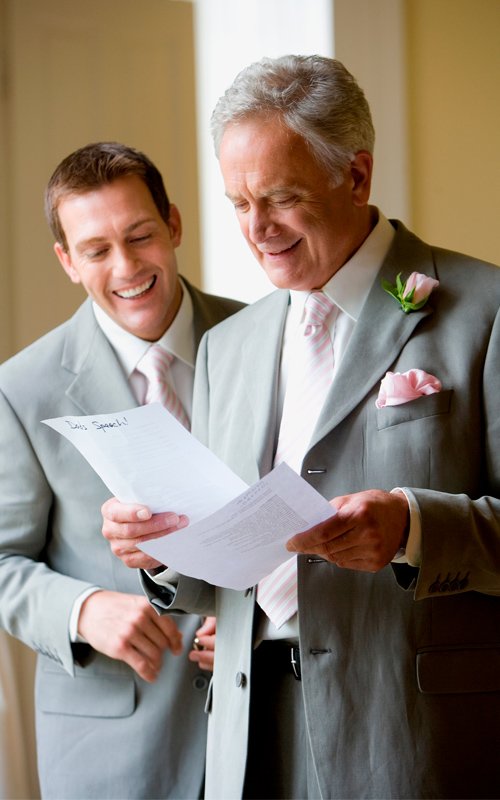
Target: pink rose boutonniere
(413, 293)
(401, 387)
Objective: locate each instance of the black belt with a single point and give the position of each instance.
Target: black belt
(284, 656)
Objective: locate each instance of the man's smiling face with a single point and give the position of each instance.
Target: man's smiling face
(300, 227)
(123, 253)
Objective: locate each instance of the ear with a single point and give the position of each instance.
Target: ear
(361, 173)
(65, 260)
(175, 225)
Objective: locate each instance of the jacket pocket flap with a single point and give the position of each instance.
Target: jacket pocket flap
(459, 671)
(89, 696)
(428, 405)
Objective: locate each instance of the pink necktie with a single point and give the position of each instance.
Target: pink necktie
(154, 365)
(310, 377)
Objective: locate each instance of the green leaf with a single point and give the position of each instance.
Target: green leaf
(409, 296)
(390, 289)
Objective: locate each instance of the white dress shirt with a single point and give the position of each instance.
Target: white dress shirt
(129, 349)
(178, 340)
(348, 289)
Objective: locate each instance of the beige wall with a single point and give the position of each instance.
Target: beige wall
(5, 272)
(454, 124)
(74, 73)
(370, 40)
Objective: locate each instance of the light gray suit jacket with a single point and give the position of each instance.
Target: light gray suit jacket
(401, 669)
(102, 732)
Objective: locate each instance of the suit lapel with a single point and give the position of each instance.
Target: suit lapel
(203, 313)
(208, 310)
(379, 335)
(98, 385)
(261, 354)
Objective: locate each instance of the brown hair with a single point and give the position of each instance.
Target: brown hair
(93, 166)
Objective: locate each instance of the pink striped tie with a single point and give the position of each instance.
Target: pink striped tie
(310, 377)
(154, 365)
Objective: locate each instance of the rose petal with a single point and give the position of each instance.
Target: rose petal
(422, 284)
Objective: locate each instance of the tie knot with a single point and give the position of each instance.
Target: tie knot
(316, 308)
(155, 362)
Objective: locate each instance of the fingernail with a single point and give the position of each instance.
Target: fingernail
(143, 514)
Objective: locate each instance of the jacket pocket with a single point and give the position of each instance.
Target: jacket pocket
(429, 405)
(459, 670)
(110, 694)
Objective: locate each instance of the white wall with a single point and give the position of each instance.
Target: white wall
(229, 35)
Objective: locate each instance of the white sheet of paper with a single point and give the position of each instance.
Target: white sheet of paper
(236, 534)
(144, 455)
(245, 540)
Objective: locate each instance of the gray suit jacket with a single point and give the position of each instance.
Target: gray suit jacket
(401, 669)
(102, 732)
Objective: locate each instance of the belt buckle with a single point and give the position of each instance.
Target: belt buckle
(295, 662)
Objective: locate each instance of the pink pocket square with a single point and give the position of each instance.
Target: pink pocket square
(401, 387)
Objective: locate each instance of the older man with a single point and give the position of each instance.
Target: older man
(369, 665)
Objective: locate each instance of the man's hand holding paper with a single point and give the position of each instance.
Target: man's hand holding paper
(127, 525)
(237, 534)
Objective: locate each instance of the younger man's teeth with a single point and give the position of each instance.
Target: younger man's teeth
(138, 290)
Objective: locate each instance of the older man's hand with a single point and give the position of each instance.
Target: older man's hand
(365, 534)
(127, 525)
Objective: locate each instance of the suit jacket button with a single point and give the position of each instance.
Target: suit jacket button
(241, 680)
(200, 682)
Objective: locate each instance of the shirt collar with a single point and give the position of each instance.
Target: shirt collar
(129, 349)
(349, 287)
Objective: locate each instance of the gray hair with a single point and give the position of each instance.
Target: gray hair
(316, 97)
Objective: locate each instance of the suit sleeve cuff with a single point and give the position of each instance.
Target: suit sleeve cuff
(166, 578)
